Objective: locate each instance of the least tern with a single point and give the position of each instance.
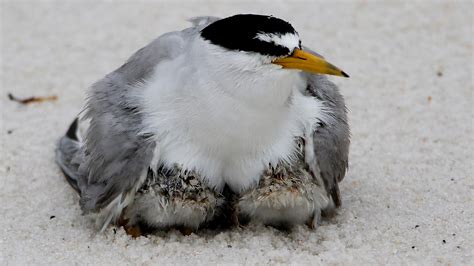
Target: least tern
(234, 104)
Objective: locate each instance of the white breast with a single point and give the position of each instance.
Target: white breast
(225, 124)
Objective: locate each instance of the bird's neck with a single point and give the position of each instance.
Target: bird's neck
(247, 78)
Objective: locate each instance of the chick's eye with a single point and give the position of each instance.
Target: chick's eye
(299, 44)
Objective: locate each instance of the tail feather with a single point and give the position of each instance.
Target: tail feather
(67, 152)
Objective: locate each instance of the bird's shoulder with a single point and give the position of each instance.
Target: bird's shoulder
(141, 64)
(165, 47)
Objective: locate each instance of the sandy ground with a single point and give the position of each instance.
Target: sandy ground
(408, 196)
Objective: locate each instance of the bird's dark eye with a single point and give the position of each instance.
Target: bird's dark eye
(299, 44)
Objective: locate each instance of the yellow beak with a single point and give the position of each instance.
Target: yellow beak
(310, 63)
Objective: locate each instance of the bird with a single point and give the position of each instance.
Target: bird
(229, 119)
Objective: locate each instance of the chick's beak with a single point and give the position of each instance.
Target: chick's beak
(308, 62)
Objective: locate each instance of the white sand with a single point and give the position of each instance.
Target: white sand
(408, 197)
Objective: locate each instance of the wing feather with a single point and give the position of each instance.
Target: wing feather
(331, 138)
(116, 152)
(112, 162)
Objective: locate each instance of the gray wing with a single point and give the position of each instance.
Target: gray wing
(114, 158)
(331, 138)
(117, 152)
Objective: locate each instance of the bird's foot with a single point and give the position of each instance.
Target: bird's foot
(133, 231)
(174, 199)
(285, 196)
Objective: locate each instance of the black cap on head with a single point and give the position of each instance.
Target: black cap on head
(240, 32)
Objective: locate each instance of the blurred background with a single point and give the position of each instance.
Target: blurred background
(408, 195)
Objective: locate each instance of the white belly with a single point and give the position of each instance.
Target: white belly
(226, 139)
(231, 146)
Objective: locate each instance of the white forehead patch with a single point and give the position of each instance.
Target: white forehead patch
(288, 40)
